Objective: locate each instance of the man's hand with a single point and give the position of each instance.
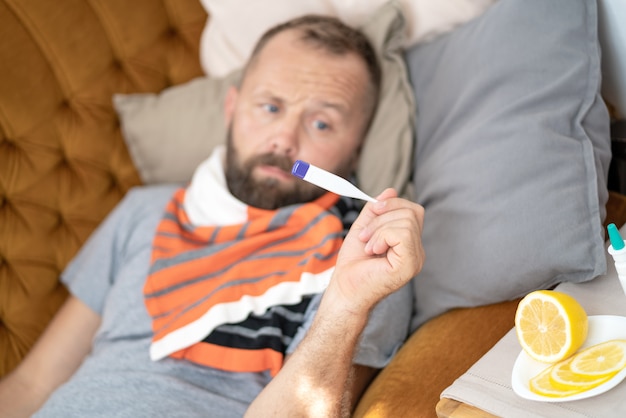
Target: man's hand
(381, 253)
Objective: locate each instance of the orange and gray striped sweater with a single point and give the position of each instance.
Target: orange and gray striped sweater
(233, 296)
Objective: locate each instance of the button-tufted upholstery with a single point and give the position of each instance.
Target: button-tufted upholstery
(63, 162)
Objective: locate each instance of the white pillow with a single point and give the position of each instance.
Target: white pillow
(234, 26)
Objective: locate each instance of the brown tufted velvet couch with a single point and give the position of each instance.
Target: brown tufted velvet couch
(64, 165)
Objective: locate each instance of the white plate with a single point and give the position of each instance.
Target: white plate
(601, 328)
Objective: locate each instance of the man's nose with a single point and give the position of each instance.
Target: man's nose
(284, 139)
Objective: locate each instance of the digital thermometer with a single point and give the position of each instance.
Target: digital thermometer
(329, 181)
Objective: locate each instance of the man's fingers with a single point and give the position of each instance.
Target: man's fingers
(393, 210)
(386, 194)
(395, 234)
(388, 234)
(370, 212)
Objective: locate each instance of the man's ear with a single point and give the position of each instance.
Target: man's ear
(230, 101)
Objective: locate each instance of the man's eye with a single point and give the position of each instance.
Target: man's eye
(270, 108)
(318, 124)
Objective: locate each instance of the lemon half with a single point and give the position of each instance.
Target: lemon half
(550, 325)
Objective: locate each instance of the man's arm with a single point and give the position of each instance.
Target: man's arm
(53, 359)
(380, 254)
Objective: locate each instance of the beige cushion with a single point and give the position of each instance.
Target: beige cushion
(169, 133)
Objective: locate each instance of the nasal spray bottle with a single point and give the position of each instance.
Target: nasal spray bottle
(617, 249)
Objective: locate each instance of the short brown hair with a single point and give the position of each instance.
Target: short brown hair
(333, 36)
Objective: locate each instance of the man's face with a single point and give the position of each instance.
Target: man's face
(296, 102)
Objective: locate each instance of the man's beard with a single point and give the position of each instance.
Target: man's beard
(268, 193)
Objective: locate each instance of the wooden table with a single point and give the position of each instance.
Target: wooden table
(449, 408)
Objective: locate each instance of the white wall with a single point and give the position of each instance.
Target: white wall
(613, 40)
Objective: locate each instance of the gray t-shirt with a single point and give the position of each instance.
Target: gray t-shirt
(119, 379)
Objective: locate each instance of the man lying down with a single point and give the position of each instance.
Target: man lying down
(243, 293)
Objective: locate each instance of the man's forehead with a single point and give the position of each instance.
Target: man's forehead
(287, 50)
(294, 41)
(290, 69)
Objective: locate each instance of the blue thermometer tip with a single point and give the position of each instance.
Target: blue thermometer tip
(300, 168)
(616, 239)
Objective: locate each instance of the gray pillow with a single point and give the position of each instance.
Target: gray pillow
(512, 154)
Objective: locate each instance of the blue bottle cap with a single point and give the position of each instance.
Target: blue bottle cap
(616, 239)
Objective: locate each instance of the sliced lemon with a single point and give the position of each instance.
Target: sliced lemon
(542, 385)
(604, 359)
(550, 325)
(563, 378)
